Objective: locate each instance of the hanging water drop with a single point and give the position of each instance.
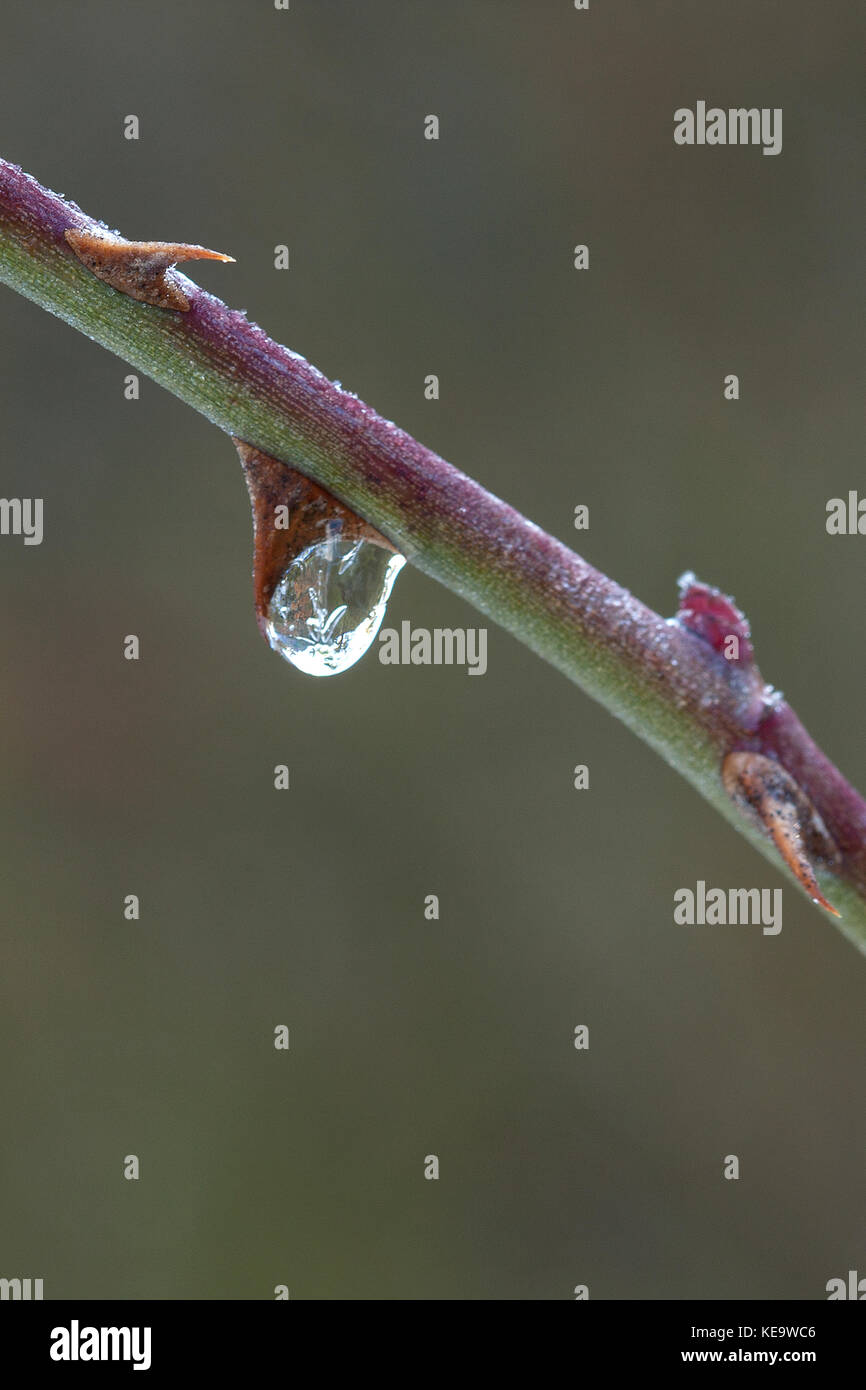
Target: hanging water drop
(321, 579)
(329, 604)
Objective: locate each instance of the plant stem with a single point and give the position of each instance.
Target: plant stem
(670, 686)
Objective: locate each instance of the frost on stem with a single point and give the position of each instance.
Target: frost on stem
(714, 618)
(138, 268)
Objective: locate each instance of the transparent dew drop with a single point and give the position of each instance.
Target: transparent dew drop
(329, 604)
(322, 575)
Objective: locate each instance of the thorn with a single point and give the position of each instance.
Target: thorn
(310, 512)
(138, 268)
(772, 799)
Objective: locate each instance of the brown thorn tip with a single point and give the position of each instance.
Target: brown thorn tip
(138, 268)
(771, 798)
(822, 902)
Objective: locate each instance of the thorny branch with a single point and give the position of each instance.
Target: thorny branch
(688, 686)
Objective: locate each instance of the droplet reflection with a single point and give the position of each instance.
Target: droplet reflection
(329, 604)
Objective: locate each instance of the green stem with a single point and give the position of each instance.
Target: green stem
(665, 682)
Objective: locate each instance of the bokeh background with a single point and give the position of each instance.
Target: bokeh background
(306, 908)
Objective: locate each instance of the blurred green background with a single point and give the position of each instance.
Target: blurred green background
(306, 908)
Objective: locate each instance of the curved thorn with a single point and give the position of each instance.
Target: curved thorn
(138, 268)
(765, 791)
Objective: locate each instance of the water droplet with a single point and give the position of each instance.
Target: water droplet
(328, 606)
(322, 575)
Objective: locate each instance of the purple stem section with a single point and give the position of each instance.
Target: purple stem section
(783, 737)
